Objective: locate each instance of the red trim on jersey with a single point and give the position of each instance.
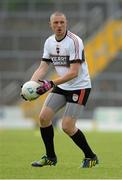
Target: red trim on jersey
(81, 97)
(76, 44)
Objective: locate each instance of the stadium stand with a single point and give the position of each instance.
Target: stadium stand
(103, 48)
(24, 27)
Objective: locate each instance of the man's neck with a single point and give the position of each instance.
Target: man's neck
(60, 38)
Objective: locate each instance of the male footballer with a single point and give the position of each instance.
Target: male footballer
(71, 90)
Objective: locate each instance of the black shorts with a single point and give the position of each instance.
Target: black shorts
(79, 96)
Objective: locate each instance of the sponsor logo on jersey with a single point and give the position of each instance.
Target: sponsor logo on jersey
(75, 97)
(60, 60)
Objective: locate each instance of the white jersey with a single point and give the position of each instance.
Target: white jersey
(64, 52)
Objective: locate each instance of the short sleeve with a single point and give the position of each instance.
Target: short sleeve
(46, 51)
(76, 50)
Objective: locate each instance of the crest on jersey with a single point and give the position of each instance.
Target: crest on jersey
(75, 97)
(57, 49)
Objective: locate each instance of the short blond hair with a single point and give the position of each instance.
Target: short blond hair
(57, 13)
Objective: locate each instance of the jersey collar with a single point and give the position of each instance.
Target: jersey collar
(62, 38)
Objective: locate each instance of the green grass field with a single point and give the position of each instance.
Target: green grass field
(18, 148)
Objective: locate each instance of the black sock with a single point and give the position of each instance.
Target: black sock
(47, 136)
(81, 142)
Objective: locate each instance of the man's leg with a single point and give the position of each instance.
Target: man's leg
(52, 104)
(68, 125)
(47, 131)
(47, 134)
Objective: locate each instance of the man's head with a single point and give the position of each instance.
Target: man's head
(58, 23)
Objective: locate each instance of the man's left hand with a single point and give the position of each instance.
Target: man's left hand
(44, 87)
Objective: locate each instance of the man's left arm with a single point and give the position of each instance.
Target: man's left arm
(71, 74)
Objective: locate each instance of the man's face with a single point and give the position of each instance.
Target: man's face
(58, 25)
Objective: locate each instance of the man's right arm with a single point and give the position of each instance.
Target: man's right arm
(40, 71)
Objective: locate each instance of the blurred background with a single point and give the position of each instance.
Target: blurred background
(23, 30)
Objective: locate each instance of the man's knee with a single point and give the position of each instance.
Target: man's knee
(45, 117)
(68, 126)
(44, 121)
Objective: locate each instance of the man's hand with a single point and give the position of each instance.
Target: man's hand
(44, 87)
